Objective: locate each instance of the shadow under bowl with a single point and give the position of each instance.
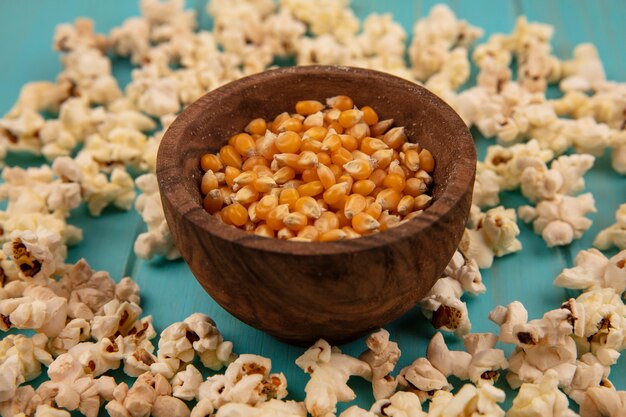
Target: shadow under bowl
(298, 291)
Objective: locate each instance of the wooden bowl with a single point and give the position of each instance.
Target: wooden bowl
(297, 291)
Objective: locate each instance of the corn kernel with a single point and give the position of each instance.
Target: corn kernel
(308, 206)
(359, 130)
(230, 173)
(332, 235)
(295, 221)
(245, 145)
(405, 205)
(266, 146)
(349, 142)
(363, 223)
(331, 143)
(336, 127)
(359, 169)
(395, 138)
(412, 215)
(427, 162)
(311, 189)
(284, 174)
(363, 187)
(349, 118)
(307, 107)
(327, 221)
(290, 124)
(325, 176)
(230, 157)
(388, 199)
(287, 159)
(211, 162)
(336, 192)
(311, 145)
(387, 221)
(422, 201)
(412, 160)
(316, 132)
(309, 232)
(256, 127)
(377, 177)
(336, 169)
(342, 103)
(310, 174)
(265, 205)
(213, 201)
(323, 158)
(307, 159)
(289, 196)
(245, 178)
(414, 187)
(369, 115)
(237, 214)
(288, 142)
(381, 127)
(355, 204)
(264, 230)
(369, 145)
(246, 195)
(209, 182)
(285, 234)
(395, 181)
(383, 157)
(264, 184)
(275, 216)
(374, 209)
(341, 157)
(253, 161)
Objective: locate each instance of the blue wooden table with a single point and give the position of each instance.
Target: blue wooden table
(170, 292)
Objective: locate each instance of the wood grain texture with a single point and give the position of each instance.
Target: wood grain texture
(305, 291)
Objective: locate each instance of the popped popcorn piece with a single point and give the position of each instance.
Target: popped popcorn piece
(185, 384)
(329, 370)
(75, 331)
(423, 379)
(127, 290)
(38, 255)
(486, 187)
(157, 240)
(444, 308)
(131, 39)
(584, 72)
(120, 147)
(469, 401)
(141, 399)
(486, 361)
(603, 401)
(561, 220)
(542, 398)
(30, 352)
(493, 234)
(39, 308)
(589, 373)
(614, 235)
(617, 142)
(20, 132)
(593, 271)
(508, 318)
(448, 362)
(327, 17)
(271, 408)
(10, 377)
(400, 404)
(382, 356)
(68, 37)
(39, 96)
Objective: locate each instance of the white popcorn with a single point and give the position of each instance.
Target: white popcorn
(329, 370)
(132, 39)
(494, 234)
(400, 404)
(39, 96)
(614, 235)
(542, 398)
(589, 373)
(75, 331)
(444, 308)
(324, 17)
(150, 394)
(20, 131)
(119, 147)
(247, 380)
(10, 377)
(185, 384)
(271, 408)
(469, 401)
(603, 401)
(47, 411)
(157, 240)
(39, 255)
(465, 270)
(422, 378)
(617, 141)
(486, 187)
(594, 271)
(382, 356)
(127, 290)
(585, 71)
(99, 357)
(39, 309)
(68, 37)
(30, 352)
(448, 362)
(508, 318)
(560, 220)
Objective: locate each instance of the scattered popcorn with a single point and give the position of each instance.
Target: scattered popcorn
(594, 271)
(469, 401)
(584, 72)
(271, 408)
(382, 357)
(614, 235)
(542, 398)
(400, 404)
(444, 308)
(423, 379)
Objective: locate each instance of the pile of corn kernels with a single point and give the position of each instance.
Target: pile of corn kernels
(318, 174)
(87, 325)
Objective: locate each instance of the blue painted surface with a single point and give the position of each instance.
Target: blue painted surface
(170, 292)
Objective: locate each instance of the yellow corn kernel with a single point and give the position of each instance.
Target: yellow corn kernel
(266, 146)
(315, 120)
(311, 189)
(293, 184)
(227, 194)
(395, 138)
(289, 196)
(295, 221)
(209, 182)
(369, 145)
(349, 142)
(410, 145)
(369, 115)
(341, 216)
(383, 157)
(284, 174)
(412, 215)
(360, 155)
(381, 127)
(377, 177)
(287, 159)
(307, 107)
(387, 221)
(213, 201)
(310, 174)
(327, 221)
(331, 115)
(388, 199)
(253, 161)
(427, 162)
(350, 232)
(256, 127)
(245, 145)
(237, 214)
(265, 205)
(336, 127)
(275, 216)
(230, 173)
(349, 118)
(307, 159)
(326, 176)
(363, 187)
(414, 187)
(308, 206)
(355, 204)
(285, 234)
(223, 216)
(264, 230)
(336, 169)
(252, 213)
(245, 178)
(211, 162)
(396, 168)
(309, 232)
(394, 181)
(332, 235)
(288, 142)
(422, 202)
(323, 158)
(335, 193)
(363, 223)
(291, 124)
(424, 176)
(230, 157)
(246, 195)
(311, 145)
(331, 143)
(316, 132)
(264, 184)
(278, 120)
(359, 169)
(405, 205)
(342, 103)
(322, 204)
(341, 157)
(359, 130)
(412, 160)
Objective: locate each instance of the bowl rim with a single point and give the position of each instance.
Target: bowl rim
(171, 188)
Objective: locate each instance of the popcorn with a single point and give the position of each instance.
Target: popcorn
(382, 357)
(614, 235)
(585, 71)
(469, 401)
(494, 234)
(561, 220)
(325, 17)
(185, 384)
(68, 37)
(75, 331)
(423, 379)
(131, 39)
(30, 353)
(271, 408)
(446, 361)
(603, 401)
(400, 404)
(594, 271)
(466, 272)
(444, 308)
(118, 148)
(157, 240)
(508, 318)
(39, 96)
(542, 398)
(150, 394)
(486, 187)
(10, 377)
(329, 370)
(39, 309)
